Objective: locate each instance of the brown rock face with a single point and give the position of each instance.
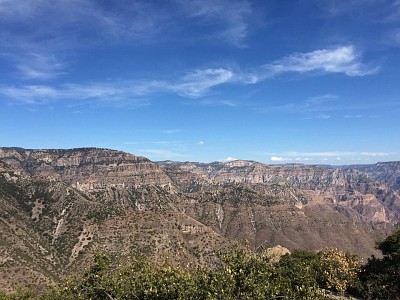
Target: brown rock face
(341, 187)
(86, 168)
(58, 206)
(384, 172)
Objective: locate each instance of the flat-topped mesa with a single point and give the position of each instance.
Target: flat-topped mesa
(300, 176)
(344, 187)
(87, 168)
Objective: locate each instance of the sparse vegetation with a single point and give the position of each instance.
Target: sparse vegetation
(238, 274)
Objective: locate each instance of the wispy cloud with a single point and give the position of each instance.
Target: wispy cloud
(333, 154)
(214, 102)
(392, 37)
(199, 82)
(353, 116)
(393, 12)
(194, 84)
(325, 156)
(339, 7)
(230, 16)
(376, 153)
(279, 159)
(41, 94)
(154, 143)
(39, 66)
(323, 117)
(171, 131)
(51, 31)
(342, 59)
(161, 154)
(319, 106)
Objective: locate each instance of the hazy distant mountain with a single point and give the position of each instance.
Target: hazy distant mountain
(385, 172)
(58, 206)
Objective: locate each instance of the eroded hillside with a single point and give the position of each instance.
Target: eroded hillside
(59, 206)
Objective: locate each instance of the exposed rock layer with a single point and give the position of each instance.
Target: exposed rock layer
(61, 205)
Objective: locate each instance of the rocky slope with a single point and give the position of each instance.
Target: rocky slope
(59, 206)
(384, 172)
(293, 205)
(86, 168)
(340, 187)
(50, 228)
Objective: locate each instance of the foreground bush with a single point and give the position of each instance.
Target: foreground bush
(239, 274)
(380, 277)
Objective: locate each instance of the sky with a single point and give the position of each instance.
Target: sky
(284, 81)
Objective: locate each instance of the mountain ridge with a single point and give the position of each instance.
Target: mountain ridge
(68, 202)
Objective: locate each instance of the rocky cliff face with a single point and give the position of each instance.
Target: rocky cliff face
(61, 205)
(86, 168)
(50, 228)
(384, 172)
(343, 187)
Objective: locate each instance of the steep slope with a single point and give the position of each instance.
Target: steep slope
(345, 187)
(384, 172)
(295, 206)
(49, 229)
(86, 168)
(62, 205)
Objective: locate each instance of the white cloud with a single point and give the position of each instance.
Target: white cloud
(55, 29)
(352, 116)
(160, 154)
(214, 102)
(278, 159)
(228, 159)
(199, 82)
(39, 66)
(343, 59)
(154, 143)
(325, 156)
(200, 143)
(195, 84)
(321, 154)
(171, 131)
(375, 153)
(39, 94)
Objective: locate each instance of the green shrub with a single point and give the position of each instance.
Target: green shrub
(380, 277)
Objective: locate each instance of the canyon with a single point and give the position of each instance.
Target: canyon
(59, 206)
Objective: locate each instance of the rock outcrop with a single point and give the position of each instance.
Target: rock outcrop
(86, 168)
(58, 206)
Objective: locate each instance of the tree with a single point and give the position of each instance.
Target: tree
(380, 277)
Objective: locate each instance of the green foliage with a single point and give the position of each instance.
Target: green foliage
(301, 273)
(238, 274)
(338, 270)
(380, 277)
(391, 245)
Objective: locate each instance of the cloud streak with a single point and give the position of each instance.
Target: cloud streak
(161, 154)
(326, 156)
(53, 30)
(342, 59)
(232, 17)
(195, 84)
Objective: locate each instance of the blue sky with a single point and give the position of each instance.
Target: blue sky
(299, 81)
